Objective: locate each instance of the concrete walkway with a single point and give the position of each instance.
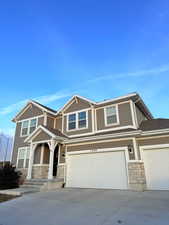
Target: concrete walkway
(87, 207)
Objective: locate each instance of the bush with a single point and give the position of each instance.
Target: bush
(9, 177)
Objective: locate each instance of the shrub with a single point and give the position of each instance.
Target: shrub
(9, 177)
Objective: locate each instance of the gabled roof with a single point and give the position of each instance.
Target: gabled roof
(133, 96)
(54, 133)
(37, 104)
(45, 107)
(71, 100)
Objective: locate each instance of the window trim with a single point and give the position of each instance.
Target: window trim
(77, 120)
(25, 157)
(29, 122)
(117, 114)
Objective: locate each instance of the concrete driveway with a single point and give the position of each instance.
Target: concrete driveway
(87, 207)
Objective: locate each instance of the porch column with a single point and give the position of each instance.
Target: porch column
(31, 158)
(52, 146)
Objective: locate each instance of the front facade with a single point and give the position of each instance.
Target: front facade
(114, 144)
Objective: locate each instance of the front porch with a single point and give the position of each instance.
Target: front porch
(46, 154)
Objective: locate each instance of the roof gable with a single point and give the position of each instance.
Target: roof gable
(43, 133)
(32, 109)
(76, 103)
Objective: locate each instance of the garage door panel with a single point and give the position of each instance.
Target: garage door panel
(156, 162)
(97, 170)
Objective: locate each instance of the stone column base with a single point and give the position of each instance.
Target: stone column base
(40, 171)
(136, 173)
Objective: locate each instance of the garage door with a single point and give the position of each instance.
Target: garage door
(97, 170)
(156, 162)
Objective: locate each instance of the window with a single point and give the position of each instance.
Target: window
(82, 119)
(72, 122)
(28, 126)
(32, 125)
(77, 120)
(23, 154)
(111, 115)
(25, 128)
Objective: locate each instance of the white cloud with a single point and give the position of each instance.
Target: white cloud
(148, 72)
(13, 107)
(42, 99)
(53, 97)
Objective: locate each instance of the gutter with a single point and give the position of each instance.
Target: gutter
(123, 135)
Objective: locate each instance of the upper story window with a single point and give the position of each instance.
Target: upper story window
(28, 126)
(111, 115)
(77, 120)
(72, 121)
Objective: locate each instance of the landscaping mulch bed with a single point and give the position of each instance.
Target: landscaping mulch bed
(4, 198)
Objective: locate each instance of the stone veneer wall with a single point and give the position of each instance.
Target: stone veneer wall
(24, 172)
(136, 173)
(40, 172)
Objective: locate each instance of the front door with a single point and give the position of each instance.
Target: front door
(55, 161)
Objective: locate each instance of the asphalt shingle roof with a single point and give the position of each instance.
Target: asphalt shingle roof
(154, 124)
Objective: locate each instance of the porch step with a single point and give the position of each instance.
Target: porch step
(43, 184)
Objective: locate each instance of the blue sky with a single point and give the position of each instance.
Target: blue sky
(50, 50)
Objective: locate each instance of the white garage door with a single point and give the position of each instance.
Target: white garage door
(97, 170)
(156, 162)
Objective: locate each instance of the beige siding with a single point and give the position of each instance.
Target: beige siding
(62, 154)
(50, 122)
(19, 141)
(110, 144)
(81, 131)
(41, 137)
(58, 123)
(140, 115)
(154, 141)
(40, 121)
(113, 102)
(32, 111)
(77, 105)
(125, 117)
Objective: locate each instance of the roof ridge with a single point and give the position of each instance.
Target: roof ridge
(53, 110)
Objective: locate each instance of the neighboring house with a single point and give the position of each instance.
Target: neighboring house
(114, 144)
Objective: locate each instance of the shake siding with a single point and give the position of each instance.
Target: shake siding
(32, 111)
(77, 105)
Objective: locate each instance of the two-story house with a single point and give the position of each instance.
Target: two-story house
(114, 144)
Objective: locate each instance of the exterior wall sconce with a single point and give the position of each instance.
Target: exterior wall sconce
(130, 149)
